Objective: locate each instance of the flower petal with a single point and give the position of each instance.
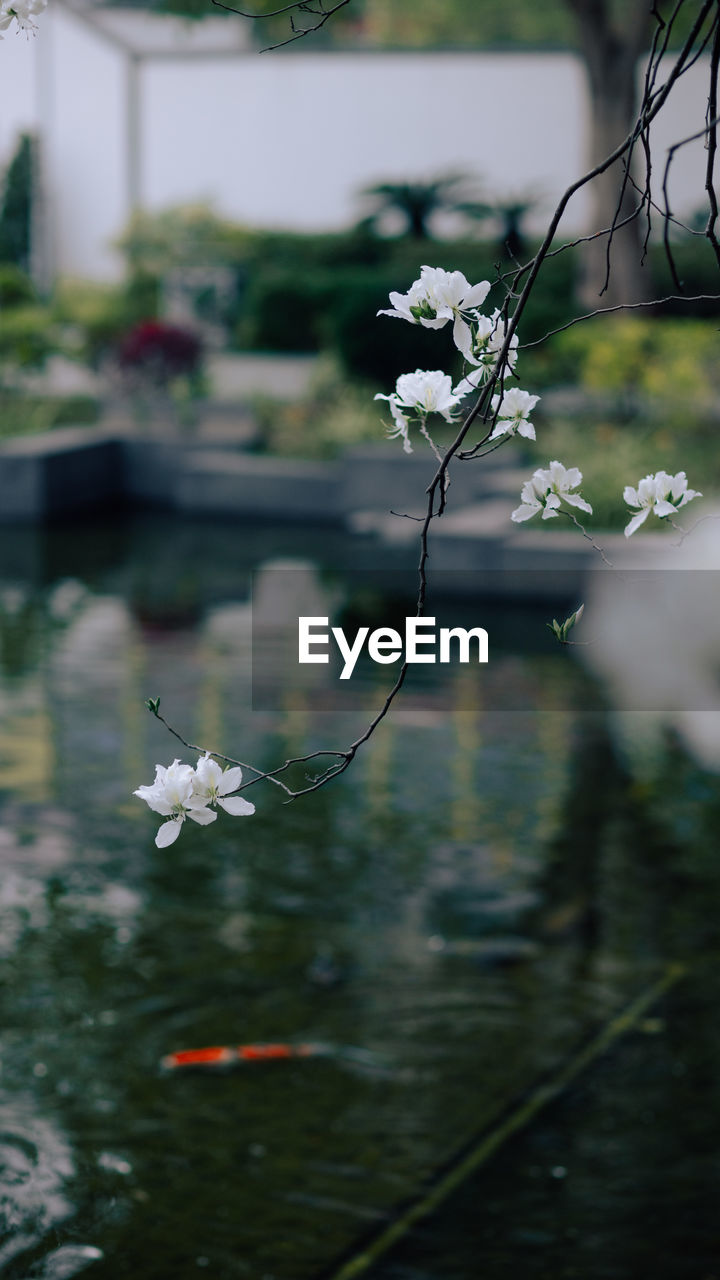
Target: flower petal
(462, 337)
(664, 508)
(502, 427)
(203, 817)
(237, 806)
(574, 500)
(168, 833)
(477, 295)
(230, 781)
(636, 522)
(524, 513)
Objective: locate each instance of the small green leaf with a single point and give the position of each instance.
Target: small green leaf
(153, 705)
(562, 630)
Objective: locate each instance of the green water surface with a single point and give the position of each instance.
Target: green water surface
(451, 920)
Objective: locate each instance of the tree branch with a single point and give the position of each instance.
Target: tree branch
(594, 11)
(318, 11)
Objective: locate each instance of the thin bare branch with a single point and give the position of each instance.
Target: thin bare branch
(622, 306)
(300, 6)
(711, 120)
(436, 493)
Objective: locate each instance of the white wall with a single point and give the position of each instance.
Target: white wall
(18, 90)
(287, 139)
(85, 148)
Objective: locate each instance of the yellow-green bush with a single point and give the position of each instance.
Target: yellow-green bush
(670, 364)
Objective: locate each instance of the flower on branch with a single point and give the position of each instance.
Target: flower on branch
(438, 296)
(415, 396)
(546, 489)
(181, 792)
(481, 339)
(660, 493)
(513, 409)
(172, 795)
(20, 11)
(213, 786)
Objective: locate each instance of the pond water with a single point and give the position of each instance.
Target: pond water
(477, 897)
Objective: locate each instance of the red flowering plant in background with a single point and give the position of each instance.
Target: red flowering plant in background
(157, 352)
(157, 357)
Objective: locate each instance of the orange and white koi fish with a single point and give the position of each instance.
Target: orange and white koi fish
(238, 1055)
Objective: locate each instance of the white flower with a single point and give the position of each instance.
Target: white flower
(418, 394)
(482, 338)
(545, 491)
(402, 424)
(438, 296)
(661, 493)
(512, 413)
(20, 11)
(212, 785)
(474, 379)
(173, 795)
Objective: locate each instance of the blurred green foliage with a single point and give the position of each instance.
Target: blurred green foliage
(22, 414)
(26, 338)
(426, 23)
(334, 416)
(16, 205)
(16, 286)
(643, 364)
(94, 316)
(311, 293)
(154, 243)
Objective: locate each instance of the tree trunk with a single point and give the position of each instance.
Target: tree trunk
(611, 47)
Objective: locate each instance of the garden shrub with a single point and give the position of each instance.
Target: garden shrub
(645, 362)
(332, 417)
(308, 293)
(100, 314)
(16, 287)
(26, 337)
(22, 414)
(16, 206)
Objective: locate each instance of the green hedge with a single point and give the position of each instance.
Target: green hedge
(322, 293)
(28, 414)
(25, 336)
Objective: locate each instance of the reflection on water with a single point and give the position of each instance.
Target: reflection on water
(450, 920)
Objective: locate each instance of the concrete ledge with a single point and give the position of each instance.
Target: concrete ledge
(77, 469)
(59, 472)
(380, 478)
(150, 469)
(219, 483)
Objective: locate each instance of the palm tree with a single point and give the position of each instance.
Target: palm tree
(416, 201)
(509, 214)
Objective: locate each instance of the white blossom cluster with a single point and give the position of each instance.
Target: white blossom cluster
(662, 494)
(433, 300)
(547, 489)
(181, 792)
(22, 12)
(437, 298)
